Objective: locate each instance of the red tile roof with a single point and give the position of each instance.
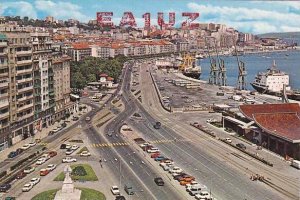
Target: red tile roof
(80, 45)
(109, 78)
(249, 110)
(283, 125)
(103, 75)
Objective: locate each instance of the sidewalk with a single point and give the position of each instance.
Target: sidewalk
(42, 134)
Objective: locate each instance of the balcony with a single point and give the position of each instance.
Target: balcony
(25, 98)
(37, 77)
(24, 117)
(4, 103)
(3, 44)
(3, 53)
(4, 115)
(3, 95)
(3, 84)
(24, 71)
(24, 62)
(37, 94)
(25, 89)
(37, 85)
(4, 65)
(24, 80)
(23, 53)
(25, 107)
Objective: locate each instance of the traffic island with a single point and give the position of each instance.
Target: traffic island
(86, 194)
(80, 172)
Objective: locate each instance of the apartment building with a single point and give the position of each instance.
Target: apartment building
(4, 98)
(61, 69)
(44, 101)
(80, 51)
(20, 90)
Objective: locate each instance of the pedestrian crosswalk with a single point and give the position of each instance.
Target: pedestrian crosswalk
(110, 144)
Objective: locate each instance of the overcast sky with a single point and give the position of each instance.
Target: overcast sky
(247, 16)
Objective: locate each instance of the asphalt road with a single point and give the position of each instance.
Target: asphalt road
(222, 169)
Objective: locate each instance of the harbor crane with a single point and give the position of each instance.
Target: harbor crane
(241, 83)
(213, 65)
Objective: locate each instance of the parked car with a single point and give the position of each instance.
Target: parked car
(68, 160)
(120, 198)
(192, 184)
(52, 153)
(44, 172)
(115, 190)
(27, 187)
(28, 170)
(154, 155)
(46, 156)
(19, 151)
(75, 118)
(203, 195)
(51, 133)
(51, 167)
(32, 144)
(12, 154)
(159, 158)
(35, 181)
(187, 178)
(85, 153)
(128, 189)
(5, 187)
(241, 146)
(176, 170)
(74, 147)
(25, 146)
(87, 119)
(40, 161)
(159, 181)
(10, 198)
(153, 150)
(20, 175)
(179, 175)
(69, 151)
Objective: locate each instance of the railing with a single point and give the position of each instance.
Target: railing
(21, 53)
(23, 62)
(24, 89)
(4, 103)
(25, 98)
(24, 71)
(3, 84)
(3, 44)
(24, 80)
(4, 115)
(25, 106)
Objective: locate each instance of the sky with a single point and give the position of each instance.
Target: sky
(246, 16)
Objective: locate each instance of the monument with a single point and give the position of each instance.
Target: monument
(68, 192)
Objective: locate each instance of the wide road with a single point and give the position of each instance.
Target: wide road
(224, 170)
(127, 161)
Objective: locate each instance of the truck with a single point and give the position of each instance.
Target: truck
(296, 164)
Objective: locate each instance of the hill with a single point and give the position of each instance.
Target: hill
(295, 35)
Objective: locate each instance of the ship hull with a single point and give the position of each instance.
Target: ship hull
(194, 75)
(265, 91)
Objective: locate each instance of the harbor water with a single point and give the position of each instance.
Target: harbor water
(287, 61)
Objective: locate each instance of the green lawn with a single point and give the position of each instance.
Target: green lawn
(82, 149)
(91, 176)
(86, 194)
(47, 195)
(90, 194)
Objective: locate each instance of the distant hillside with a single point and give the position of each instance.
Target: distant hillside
(281, 35)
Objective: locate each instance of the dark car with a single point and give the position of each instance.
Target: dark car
(120, 198)
(12, 154)
(5, 187)
(51, 133)
(10, 198)
(19, 151)
(75, 118)
(63, 146)
(241, 146)
(157, 125)
(177, 177)
(159, 181)
(20, 175)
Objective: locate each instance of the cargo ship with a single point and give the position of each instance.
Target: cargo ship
(273, 82)
(189, 67)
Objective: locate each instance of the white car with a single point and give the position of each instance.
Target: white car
(69, 151)
(68, 160)
(32, 144)
(74, 147)
(192, 184)
(85, 153)
(176, 170)
(153, 150)
(228, 140)
(115, 190)
(41, 161)
(27, 187)
(35, 181)
(46, 156)
(211, 120)
(68, 146)
(166, 167)
(25, 146)
(203, 195)
(167, 162)
(28, 170)
(51, 167)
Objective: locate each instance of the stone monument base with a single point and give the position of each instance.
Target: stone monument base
(75, 195)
